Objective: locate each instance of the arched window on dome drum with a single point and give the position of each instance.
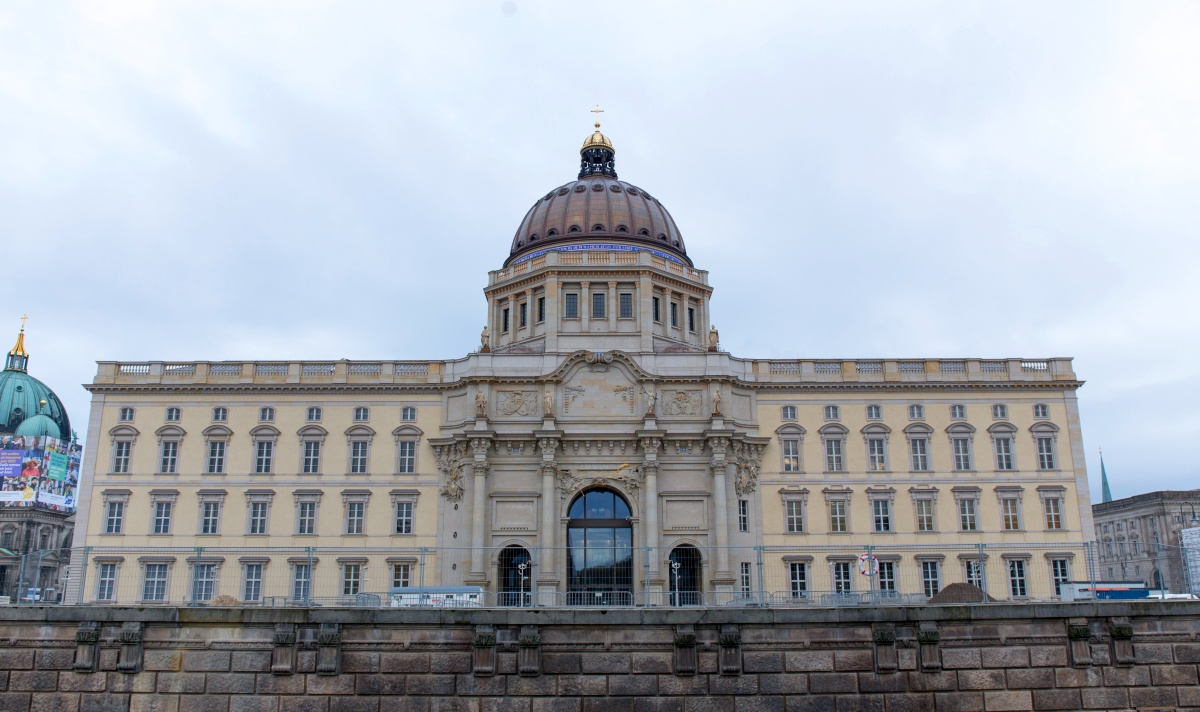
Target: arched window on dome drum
(685, 576)
(600, 550)
(516, 577)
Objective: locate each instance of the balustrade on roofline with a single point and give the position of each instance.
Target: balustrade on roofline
(934, 370)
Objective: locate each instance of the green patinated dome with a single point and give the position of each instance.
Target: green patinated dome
(39, 424)
(21, 397)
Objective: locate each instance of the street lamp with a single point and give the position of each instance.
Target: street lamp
(521, 586)
(675, 571)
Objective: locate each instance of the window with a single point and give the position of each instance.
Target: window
(258, 517)
(743, 515)
(930, 582)
(6, 539)
(216, 457)
(654, 309)
(916, 412)
(210, 518)
(798, 579)
(266, 415)
(626, 306)
(220, 415)
(301, 581)
(1010, 513)
(522, 314)
(355, 515)
(967, 515)
(962, 453)
(919, 449)
(264, 451)
(358, 457)
(541, 309)
(306, 518)
(958, 412)
(401, 575)
(252, 583)
(791, 455)
(408, 414)
(154, 587)
(106, 583)
(882, 510)
(886, 578)
(598, 305)
(1060, 574)
(925, 515)
(788, 412)
(504, 320)
(832, 412)
(572, 306)
(833, 454)
(841, 576)
(407, 454)
(1004, 455)
(204, 581)
(313, 414)
(746, 579)
(169, 457)
(795, 516)
(1016, 578)
(874, 412)
(361, 414)
(999, 411)
(173, 415)
(1045, 446)
(973, 572)
(837, 516)
(1053, 507)
(876, 454)
(125, 415)
(121, 452)
(162, 518)
(404, 518)
(351, 579)
(114, 521)
(1041, 410)
(691, 320)
(674, 314)
(312, 457)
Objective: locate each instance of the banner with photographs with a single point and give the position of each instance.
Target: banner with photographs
(38, 471)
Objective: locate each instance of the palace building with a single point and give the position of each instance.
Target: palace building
(600, 448)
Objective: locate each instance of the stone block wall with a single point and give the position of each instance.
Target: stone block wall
(1087, 656)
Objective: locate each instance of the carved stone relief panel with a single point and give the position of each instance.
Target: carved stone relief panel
(599, 393)
(516, 403)
(676, 403)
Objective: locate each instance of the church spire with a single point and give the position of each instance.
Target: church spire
(18, 360)
(1105, 492)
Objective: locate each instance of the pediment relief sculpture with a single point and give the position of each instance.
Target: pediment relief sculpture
(516, 403)
(677, 403)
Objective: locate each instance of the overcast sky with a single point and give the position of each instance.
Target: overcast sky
(302, 180)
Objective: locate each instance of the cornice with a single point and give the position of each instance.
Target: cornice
(266, 387)
(910, 386)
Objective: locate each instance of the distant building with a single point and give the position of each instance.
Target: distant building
(1139, 537)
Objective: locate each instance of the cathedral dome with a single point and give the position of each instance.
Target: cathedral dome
(39, 424)
(22, 395)
(597, 206)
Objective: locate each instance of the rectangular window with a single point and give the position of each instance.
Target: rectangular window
(504, 321)
(351, 579)
(401, 575)
(125, 415)
(170, 457)
(1016, 578)
(258, 517)
(114, 523)
(833, 455)
(746, 579)
(798, 579)
(1054, 514)
(408, 414)
(1010, 512)
(358, 457)
(106, 584)
(173, 415)
(967, 519)
(522, 311)
(1041, 410)
(313, 414)
(882, 509)
(837, 516)
(1045, 453)
(626, 306)
(1060, 574)
(252, 586)
(216, 457)
(691, 320)
(876, 455)
(404, 518)
(916, 412)
(958, 412)
(162, 517)
(572, 306)
(795, 516)
(743, 515)
(306, 518)
(266, 415)
(598, 305)
(674, 314)
(832, 412)
(841, 576)
(930, 579)
(1004, 458)
(919, 448)
(887, 576)
(999, 411)
(925, 515)
(263, 453)
(541, 309)
(154, 588)
(654, 309)
(408, 458)
(355, 514)
(204, 582)
(210, 517)
(962, 453)
(362, 414)
(874, 412)
(301, 582)
(974, 572)
(788, 412)
(791, 455)
(121, 450)
(312, 457)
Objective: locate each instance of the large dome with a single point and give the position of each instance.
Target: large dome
(597, 205)
(21, 395)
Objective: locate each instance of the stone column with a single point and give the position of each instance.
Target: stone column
(552, 321)
(717, 466)
(480, 467)
(585, 307)
(547, 579)
(654, 584)
(612, 306)
(646, 311)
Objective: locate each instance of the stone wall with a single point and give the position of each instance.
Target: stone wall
(1105, 656)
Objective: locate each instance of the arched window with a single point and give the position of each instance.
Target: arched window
(600, 550)
(516, 577)
(685, 576)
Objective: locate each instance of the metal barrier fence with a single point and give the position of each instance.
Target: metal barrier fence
(600, 573)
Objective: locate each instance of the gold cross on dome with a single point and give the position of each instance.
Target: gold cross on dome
(23, 318)
(597, 111)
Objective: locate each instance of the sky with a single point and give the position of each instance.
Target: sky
(318, 180)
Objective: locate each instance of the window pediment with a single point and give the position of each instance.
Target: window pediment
(961, 429)
(876, 429)
(791, 430)
(312, 431)
(217, 432)
(1044, 428)
(124, 431)
(407, 431)
(835, 430)
(360, 431)
(918, 430)
(1002, 428)
(265, 432)
(170, 432)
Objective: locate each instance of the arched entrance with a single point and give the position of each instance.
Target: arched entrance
(684, 572)
(515, 577)
(599, 550)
